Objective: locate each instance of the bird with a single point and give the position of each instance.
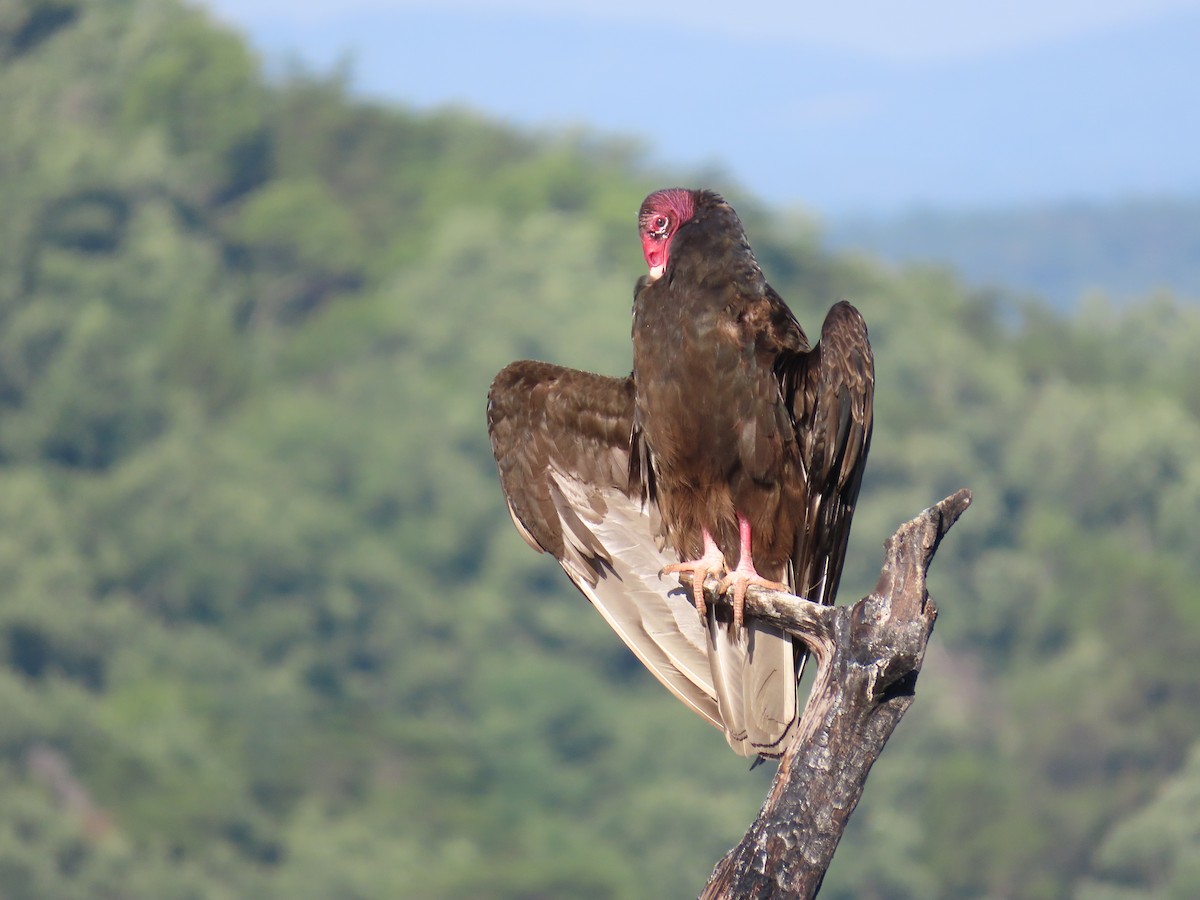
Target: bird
(734, 448)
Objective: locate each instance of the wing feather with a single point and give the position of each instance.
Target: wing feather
(830, 391)
(754, 673)
(561, 439)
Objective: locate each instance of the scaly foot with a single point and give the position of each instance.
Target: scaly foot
(745, 574)
(711, 562)
(740, 579)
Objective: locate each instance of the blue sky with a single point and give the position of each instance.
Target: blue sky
(869, 107)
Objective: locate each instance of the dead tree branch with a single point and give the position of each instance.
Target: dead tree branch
(868, 656)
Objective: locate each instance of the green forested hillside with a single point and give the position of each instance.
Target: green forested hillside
(266, 629)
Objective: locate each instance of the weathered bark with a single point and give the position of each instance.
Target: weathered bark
(868, 656)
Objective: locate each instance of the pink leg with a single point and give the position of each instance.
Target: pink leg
(745, 574)
(711, 561)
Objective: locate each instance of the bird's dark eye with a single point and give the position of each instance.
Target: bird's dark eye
(658, 226)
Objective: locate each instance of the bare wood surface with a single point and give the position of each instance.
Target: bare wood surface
(868, 657)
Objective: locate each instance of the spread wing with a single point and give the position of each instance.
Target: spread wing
(830, 391)
(561, 439)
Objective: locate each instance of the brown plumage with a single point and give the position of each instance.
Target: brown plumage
(730, 426)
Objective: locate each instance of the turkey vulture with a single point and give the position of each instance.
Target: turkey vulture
(733, 441)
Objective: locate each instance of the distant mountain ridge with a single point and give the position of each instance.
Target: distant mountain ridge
(1061, 252)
